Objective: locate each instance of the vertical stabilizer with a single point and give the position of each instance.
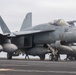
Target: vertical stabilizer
(4, 26)
(27, 22)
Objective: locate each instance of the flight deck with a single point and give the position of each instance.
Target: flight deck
(36, 67)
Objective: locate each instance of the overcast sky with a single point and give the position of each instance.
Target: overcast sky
(14, 11)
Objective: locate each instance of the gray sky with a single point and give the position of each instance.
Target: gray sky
(14, 11)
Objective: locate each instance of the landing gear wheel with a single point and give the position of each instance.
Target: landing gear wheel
(56, 58)
(71, 58)
(51, 57)
(42, 57)
(9, 55)
(27, 57)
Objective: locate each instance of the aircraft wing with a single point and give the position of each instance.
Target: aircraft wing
(24, 33)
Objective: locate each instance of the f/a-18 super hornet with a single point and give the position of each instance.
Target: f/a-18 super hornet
(69, 48)
(5, 42)
(37, 39)
(23, 43)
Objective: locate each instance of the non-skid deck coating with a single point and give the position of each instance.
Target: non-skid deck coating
(33, 67)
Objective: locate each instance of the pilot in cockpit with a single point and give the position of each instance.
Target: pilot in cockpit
(60, 22)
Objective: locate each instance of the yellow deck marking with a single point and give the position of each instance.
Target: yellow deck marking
(39, 71)
(6, 69)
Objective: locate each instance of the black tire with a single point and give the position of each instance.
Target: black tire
(42, 57)
(9, 55)
(56, 58)
(71, 58)
(51, 57)
(75, 58)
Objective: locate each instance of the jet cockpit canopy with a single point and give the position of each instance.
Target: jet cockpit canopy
(60, 22)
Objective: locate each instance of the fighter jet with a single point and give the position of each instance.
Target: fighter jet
(19, 41)
(69, 49)
(5, 43)
(48, 33)
(37, 39)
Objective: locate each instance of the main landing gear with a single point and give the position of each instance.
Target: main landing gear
(54, 54)
(42, 57)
